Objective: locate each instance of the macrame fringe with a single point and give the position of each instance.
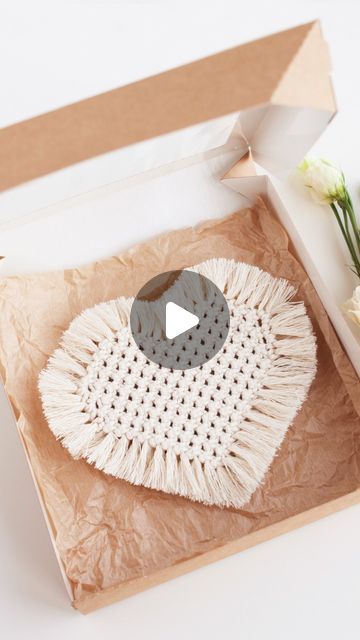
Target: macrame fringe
(259, 436)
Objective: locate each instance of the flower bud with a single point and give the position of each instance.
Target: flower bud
(325, 181)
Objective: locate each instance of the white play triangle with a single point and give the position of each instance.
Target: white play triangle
(178, 320)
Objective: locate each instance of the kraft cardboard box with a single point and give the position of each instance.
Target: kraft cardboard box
(187, 130)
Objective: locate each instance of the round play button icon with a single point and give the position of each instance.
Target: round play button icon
(180, 319)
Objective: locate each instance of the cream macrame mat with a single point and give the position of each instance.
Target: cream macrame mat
(208, 433)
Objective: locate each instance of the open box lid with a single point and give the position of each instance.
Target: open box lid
(273, 95)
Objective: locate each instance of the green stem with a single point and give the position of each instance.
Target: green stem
(354, 224)
(346, 216)
(346, 222)
(347, 237)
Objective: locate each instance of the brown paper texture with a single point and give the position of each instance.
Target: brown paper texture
(109, 533)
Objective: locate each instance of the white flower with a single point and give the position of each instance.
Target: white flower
(352, 306)
(326, 182)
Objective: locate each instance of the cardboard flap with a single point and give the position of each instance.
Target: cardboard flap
(280, 132)
(306, 81)
(290, 69)
(279, 136)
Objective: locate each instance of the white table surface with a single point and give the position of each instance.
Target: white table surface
(303, 584)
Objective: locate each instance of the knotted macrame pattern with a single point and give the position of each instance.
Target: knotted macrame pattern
(208, 433)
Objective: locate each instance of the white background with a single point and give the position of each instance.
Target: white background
(303, 584)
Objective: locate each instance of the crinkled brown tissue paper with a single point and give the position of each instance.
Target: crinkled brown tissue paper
(109, 533)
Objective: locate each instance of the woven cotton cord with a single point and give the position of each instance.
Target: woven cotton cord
(208, 433)
(196, 411)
